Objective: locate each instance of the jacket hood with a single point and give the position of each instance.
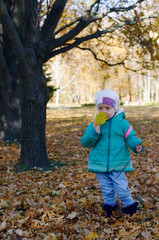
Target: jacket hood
(120, 112)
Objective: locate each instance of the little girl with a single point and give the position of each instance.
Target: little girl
(110, 156)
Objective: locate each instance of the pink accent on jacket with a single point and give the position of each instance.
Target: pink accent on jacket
(128, 132)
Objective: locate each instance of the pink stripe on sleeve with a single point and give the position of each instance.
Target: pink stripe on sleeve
(128, 132)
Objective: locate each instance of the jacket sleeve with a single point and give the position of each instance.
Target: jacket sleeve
(90, 136)
(130, 137)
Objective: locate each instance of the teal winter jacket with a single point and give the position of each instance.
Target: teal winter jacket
(110, 150)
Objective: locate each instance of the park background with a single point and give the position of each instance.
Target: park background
(55, 55)
(65, 201)
(78, 76)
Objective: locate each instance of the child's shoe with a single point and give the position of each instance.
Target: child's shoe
(109, 209)
(131, 209)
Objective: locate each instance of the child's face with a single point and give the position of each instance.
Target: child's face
(107, 109)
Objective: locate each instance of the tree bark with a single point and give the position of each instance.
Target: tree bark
(33, 114)
(10, 120)
(33, 143)
(33, 91)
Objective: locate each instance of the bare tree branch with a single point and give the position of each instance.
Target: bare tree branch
(67, 25)
(132, 70)
(97, 16)
(68, 36)
(78, 41)
(83, 22)
(99, 59)
(110, 64)
(88, 9)
(90, 5)
(149, 17)
(52, 20)
(13, 35)
(123, 9)
(69, 47)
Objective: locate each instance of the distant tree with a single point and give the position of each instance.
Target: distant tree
(10, 119)
(34, 40)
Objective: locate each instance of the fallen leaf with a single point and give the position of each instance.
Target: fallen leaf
(19, 232)
(72, 215)
(3, 226)
(92, 235)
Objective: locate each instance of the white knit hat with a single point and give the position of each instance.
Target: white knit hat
(108, 97)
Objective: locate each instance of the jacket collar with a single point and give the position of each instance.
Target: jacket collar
(119, 111)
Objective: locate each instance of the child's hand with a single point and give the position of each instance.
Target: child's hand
(139, 148)
(97, 128)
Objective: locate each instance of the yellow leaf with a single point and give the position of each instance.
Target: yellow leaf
(92, 235)
(100, 118)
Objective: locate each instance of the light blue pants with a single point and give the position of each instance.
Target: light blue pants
(111, 184)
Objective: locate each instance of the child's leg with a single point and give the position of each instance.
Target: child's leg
(107, 188)
(121, 188)
(123, 192)
(106, 185)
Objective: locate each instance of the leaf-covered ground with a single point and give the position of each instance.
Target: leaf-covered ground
(65, 203)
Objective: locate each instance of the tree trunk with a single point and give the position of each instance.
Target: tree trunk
(33, 87)
(157, 89)
(33, 109)
(10, 120)
(57, 97)
(149, 87)
(33, 144)
(145, 88)
(129, 87)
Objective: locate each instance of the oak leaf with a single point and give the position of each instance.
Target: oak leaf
(100, 118)
(92, 235)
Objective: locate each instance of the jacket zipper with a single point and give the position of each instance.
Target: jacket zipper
(108, 146)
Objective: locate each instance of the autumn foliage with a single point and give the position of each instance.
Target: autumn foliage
(64, 202)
